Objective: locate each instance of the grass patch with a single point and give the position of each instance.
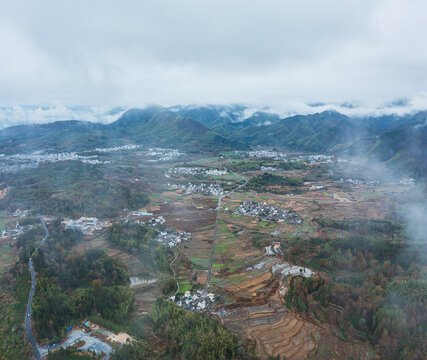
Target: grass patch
(184, 286)
(218, 266)
(200, 262)
(205, 227)
(220, 249)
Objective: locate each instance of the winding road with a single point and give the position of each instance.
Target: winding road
(30, 298)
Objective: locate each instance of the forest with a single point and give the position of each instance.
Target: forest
(262, 182)
(182, 335)
(71, 286)
(375, 290)
(138, 240)
(70, 188)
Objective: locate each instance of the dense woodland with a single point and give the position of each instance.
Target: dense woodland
(14, 289)
(274, 183)
(182, 335)
(138, 240)
(70, 188)
(72, 286)
(376, 289)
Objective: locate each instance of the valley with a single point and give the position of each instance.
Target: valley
(293, 271)
(220, 180)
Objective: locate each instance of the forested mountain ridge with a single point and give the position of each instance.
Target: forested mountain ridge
(316, 132)
(398, 140)
(153, 126)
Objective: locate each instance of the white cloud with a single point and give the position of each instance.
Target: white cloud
(279, 53)
(14, 115)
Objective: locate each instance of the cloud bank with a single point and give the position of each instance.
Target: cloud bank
(18, 115)
(354, 55)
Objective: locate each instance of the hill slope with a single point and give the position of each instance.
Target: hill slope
(153, 126)
(405, 147)
(317, 132)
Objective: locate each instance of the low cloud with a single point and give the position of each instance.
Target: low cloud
(18, 115)
(284, 54)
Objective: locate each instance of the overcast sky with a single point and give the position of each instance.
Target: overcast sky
(261, 52)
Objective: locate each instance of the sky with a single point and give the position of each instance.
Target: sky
(357, 56)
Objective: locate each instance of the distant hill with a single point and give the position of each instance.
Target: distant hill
(212, 115)
(316, 133)
(404, 147)
(226, 119)
(153, 126)
(59, 135)
(396, 140)
(161, 127)
(389, 122)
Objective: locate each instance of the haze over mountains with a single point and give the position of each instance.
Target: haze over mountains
(394, 139)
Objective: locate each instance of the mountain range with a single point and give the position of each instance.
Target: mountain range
(396, 140)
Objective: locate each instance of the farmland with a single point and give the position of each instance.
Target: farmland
(284, 256)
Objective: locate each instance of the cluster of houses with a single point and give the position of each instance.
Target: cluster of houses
(204, 189)
(273, 249)
(314, 159)
(164, 154)
(18, 229)
(118, 148)
(173, 238)
(285, 269)
(87, 225)
(196, 171)
(141, 213)
(157, 221)
(407, 181)
(14, 231)
(20, 213)
(361, 182)
(198, 301)
(268, 168)
(264, 212)
(276, 155)
(12, 163)
(266, 154)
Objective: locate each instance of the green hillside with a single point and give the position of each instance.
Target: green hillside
(154, 126)
(317, 132)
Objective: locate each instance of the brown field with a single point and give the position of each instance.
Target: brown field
(251, 297)
(241, 272)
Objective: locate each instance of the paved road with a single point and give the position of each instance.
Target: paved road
(216, 225)
(174, 274)
(30, 298)
(213, 243)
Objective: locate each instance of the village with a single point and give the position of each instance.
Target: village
(87, 225)
(196, 301)
(264, 212)
(276, 155)
(13, 163)
(204, 189)
(196, 171)
(172, 238)
(14, 231)
(252, 261)
(161, 154)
